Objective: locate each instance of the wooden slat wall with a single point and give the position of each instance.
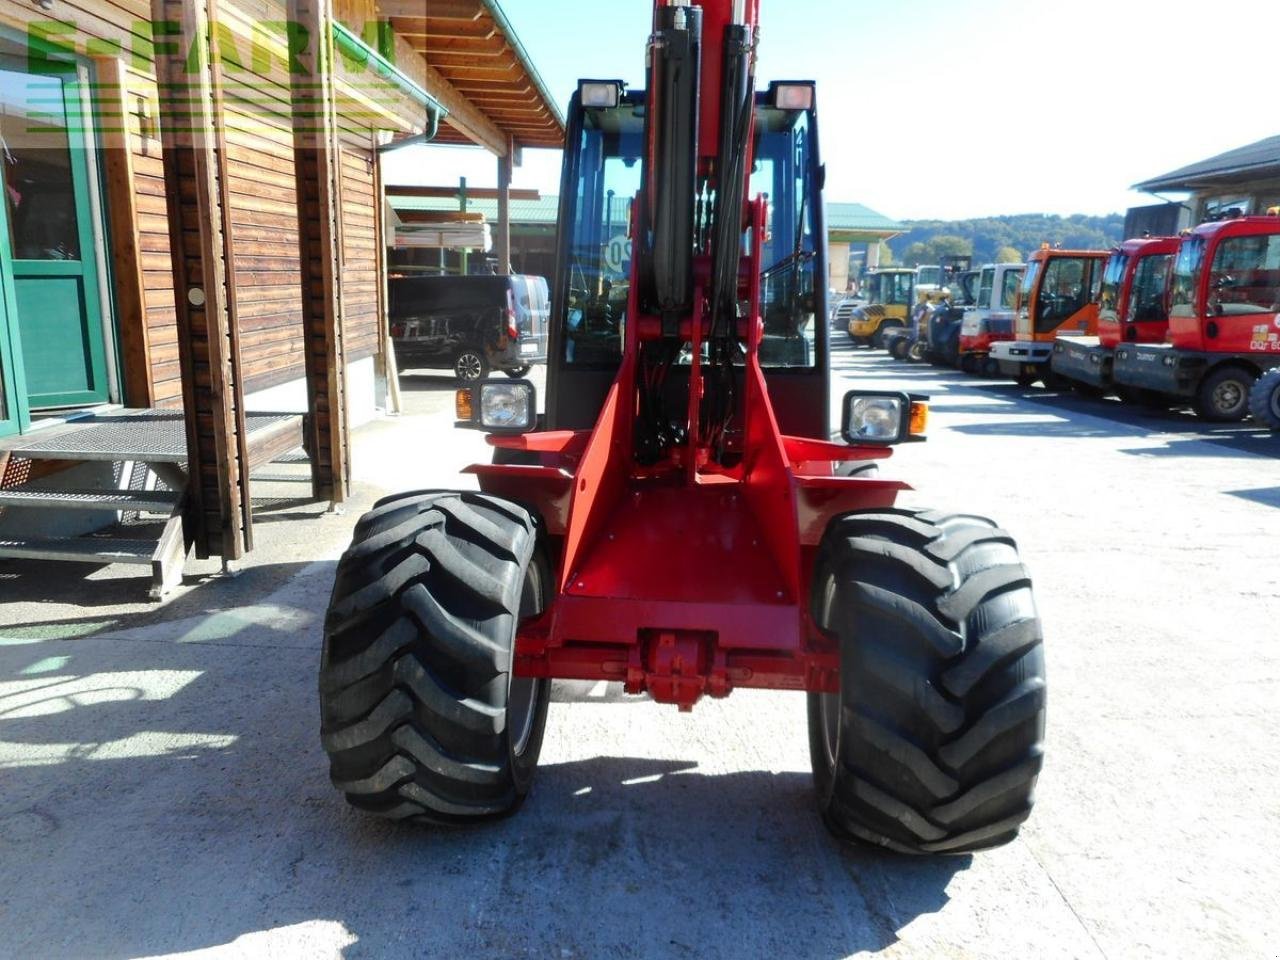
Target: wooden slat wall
(153, 239)
(261, 193)
(360, 253)
(264, 239)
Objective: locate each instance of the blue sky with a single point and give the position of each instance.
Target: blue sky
(958, 109)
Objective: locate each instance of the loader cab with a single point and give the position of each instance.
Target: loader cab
(1133, 305)
(591, 295)
(891, 288)
(1225, 295)
(1059, 294)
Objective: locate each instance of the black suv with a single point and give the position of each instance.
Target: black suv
(470, 325)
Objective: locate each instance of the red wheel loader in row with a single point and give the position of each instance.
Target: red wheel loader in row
(679, 523)
(1132, 308)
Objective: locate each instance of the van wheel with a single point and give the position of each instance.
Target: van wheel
(470, 365)
(518, 372)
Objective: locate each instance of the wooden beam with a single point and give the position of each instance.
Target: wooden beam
(122, 224)
(220, 519)
(502, 238)
(439, 216)
(318, 166)
(451, 193)
(436, 9)
(463, 114)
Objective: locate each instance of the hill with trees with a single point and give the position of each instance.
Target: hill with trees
(1007, 239)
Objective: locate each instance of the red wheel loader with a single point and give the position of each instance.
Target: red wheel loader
(681, 522)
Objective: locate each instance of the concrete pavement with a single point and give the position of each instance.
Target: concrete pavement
(163, 790)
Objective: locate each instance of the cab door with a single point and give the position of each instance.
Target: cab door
(51, 308)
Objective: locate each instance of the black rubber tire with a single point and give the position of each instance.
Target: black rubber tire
(878, 338)
(421, 715)
(518, 372)
(1264, 399)
(968, 363)
(1223, 395)
(470, 365)
(899, 347)
(935, 741)
(990, 369)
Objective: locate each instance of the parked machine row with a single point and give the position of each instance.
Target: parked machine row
(1192, 320)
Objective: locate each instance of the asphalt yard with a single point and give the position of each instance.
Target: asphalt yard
(163, 790)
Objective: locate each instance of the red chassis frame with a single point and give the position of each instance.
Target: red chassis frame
(685, 578)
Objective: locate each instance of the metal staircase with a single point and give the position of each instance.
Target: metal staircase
(148, 451)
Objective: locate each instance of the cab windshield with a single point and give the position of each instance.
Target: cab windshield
(985, 287)
(1009, 289)
(1186, 277)
(1066, 287)
(1113, 281)
(783, 172)
(1150, 283)
(894, 288)
(599, 252)
(1029, 283)
(603, 175)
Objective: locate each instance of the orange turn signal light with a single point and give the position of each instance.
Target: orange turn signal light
(464, 405)
(919, 418)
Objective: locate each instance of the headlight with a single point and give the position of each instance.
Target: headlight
(883, 419)
(510, 407)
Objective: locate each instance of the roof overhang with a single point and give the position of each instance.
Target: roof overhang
(861, 236)
(1247, 164)
(471, 60)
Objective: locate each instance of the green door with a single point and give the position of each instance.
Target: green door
(14, 417)
(47, 241)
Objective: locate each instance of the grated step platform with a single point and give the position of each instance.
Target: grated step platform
(149, 501)
(80, 550)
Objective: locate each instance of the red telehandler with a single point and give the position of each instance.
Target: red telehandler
(681, 522)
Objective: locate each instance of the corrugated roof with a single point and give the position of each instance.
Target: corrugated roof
(856, 217)
(1256, 159)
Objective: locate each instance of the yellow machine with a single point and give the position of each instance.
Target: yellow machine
(890, 295)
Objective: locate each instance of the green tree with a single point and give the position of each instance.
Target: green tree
(886, 255)
(949, 245)
(1008, 255)
(916, 254)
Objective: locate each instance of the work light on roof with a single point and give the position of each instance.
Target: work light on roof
(793, 96)
(600, 94)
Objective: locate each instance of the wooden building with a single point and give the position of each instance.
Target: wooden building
(193, 223)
